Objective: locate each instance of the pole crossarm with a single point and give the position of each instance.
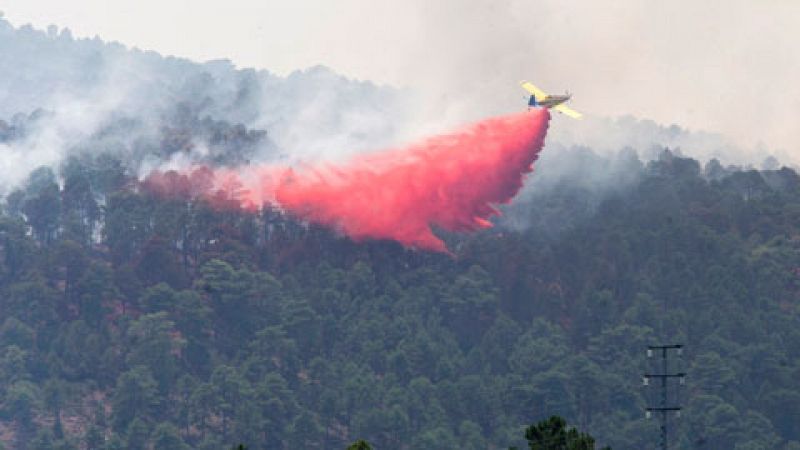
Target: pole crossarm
(662, 347)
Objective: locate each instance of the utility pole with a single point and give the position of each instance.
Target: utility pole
(664, 406)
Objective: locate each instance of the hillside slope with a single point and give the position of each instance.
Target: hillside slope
(226, 326)
(132, 321)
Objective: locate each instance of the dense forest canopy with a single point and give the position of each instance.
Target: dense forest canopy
(131, 320)
(123, 311)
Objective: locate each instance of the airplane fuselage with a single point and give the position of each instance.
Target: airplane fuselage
(552, 100)
(540, 99)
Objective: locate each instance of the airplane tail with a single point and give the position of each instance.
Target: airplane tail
(532, 102)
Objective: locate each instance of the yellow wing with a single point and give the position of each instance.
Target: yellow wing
(528, 86)
(568, 111)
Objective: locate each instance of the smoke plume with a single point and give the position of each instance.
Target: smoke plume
(451, 181)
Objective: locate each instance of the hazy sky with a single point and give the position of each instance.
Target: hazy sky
(731, 66)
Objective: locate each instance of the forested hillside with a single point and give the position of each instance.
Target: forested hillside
(132, 320)
(61, 96)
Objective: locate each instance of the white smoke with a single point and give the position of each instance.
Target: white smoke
(457, 69)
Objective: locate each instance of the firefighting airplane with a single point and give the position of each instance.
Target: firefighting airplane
(540, 99)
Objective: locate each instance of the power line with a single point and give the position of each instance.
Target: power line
(663, 408)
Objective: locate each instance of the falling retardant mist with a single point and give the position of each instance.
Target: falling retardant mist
(451, 181)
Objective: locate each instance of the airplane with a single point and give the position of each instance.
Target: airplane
(539, 98)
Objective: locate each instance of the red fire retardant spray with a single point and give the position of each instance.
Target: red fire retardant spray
(451, 181)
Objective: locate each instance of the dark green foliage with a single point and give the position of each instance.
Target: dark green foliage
(42, 204)
(553, 434)
(167, 437)
(165, 323)
(135, 397)
(137, 435)
(94, 439)
(359, 445)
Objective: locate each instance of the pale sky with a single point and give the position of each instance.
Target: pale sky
(729, 66)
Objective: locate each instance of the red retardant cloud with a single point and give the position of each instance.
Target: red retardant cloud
(449, 181)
